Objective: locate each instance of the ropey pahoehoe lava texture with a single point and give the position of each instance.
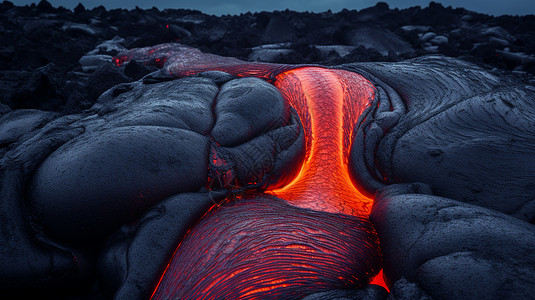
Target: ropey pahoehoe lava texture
(218, 178)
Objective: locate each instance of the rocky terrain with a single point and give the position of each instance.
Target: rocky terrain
(60, 60)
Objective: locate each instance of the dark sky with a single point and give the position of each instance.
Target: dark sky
(218, 7)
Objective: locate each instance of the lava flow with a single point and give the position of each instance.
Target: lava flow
(264, 248)
(316, 240)
(328, 103)
(308, 236)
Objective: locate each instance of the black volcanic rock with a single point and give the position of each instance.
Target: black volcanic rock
(79, 9)
(105, 77)
(34, 36)
(5, 5)
(136, 70)
(371, 292)
(279, 29)
(77, 126)
(146, 243)
(40, 88)
(19, 122)
(442, 133)
(45, 6)
(446, 249)
(379, 39)
(236, 111)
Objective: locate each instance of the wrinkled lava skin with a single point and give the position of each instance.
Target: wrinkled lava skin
(434, 161)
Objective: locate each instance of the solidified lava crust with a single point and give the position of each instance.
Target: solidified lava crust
(329, 103)
(264, 248)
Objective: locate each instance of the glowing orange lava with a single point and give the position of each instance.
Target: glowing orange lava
(267, 249)
(329, 103)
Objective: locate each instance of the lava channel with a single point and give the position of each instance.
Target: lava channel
(317, 238)
(329, 103)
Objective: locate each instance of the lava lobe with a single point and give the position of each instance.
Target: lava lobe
(264, 248)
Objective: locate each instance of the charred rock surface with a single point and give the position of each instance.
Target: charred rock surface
(139, 252)
(463, 131)
(443, 249)
(163, 138)
(158, 137)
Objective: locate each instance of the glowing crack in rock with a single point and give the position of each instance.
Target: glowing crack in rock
(180, 61)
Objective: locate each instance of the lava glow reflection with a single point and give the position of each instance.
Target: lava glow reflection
(329, 103)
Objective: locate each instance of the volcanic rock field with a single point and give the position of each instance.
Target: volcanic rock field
(171, 154)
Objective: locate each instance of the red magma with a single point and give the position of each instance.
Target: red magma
(264, 248)
(329, 103)
(250, 257)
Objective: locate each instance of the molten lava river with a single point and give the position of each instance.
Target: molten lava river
(329, 103)
(309, 236)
